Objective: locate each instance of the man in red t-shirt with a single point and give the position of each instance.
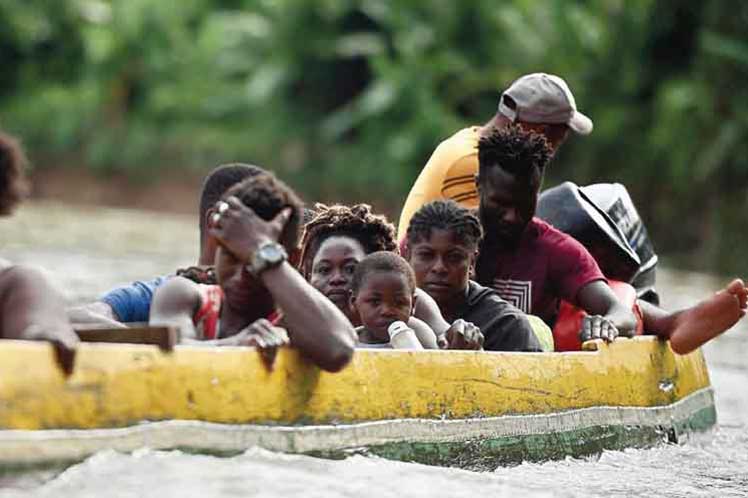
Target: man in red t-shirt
(533, 265)
(530, 263)
(545, 265)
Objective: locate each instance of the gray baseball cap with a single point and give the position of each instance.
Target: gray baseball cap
(543, 98)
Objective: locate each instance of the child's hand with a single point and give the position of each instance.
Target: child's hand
(239, 229)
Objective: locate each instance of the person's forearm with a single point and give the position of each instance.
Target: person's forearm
(428, 311)
(597, 298)
(318, 328)
(406, 339)
(426, 336)
(98, 313)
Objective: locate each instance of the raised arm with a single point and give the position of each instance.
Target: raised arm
(316, 326)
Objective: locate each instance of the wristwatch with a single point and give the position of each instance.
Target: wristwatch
(269, 255)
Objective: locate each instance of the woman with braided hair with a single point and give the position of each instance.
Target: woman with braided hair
(371, 230)
(337, 238)
(442, 246)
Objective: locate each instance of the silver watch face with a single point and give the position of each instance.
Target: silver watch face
(272, 254)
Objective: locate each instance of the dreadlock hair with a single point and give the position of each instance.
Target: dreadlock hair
(445, 215)
(267, 196)
(307, 216)
(199, 274)
(385, 262)
(218, 182)
(522, 153)
(372, 231)
(13, 185)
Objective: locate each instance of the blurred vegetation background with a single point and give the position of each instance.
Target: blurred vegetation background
(347, 99)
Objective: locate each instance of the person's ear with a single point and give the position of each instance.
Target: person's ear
(406, 251)
(352, 302)
(208, 220)
(472, 263)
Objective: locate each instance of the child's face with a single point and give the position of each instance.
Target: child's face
(384, 297)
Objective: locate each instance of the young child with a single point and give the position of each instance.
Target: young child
(30, 308)
(256, 226)
(383, 295)
(337, 238)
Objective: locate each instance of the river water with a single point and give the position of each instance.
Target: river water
(87, 251)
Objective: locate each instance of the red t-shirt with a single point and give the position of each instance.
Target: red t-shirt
(546, 266)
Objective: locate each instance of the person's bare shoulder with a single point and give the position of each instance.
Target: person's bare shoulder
(178, 294)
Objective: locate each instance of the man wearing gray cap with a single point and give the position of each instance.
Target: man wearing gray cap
(539, 102)
(530, 263)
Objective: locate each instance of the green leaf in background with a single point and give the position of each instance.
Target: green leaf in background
(348, 98)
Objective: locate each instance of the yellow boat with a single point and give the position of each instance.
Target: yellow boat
(472, 409)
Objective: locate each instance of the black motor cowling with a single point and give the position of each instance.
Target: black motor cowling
(603, 218)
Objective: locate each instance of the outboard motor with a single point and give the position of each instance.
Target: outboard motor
(603, 218)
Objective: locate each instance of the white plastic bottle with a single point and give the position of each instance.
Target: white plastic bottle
(402, 336)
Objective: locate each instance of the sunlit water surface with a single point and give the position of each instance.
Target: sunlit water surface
(88, 251)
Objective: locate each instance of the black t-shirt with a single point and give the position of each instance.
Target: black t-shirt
(504, 326)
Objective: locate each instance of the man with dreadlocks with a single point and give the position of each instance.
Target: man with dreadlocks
(30, 308)
(442, 247)
(539, 102)
(533, 265)
(529, 262)
(256, 226)
(132, 303)
(333, 244)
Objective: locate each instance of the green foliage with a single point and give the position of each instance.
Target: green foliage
(347, 99)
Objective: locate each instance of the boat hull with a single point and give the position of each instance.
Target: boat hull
(471, 409)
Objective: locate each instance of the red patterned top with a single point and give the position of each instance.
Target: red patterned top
(207, 319)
